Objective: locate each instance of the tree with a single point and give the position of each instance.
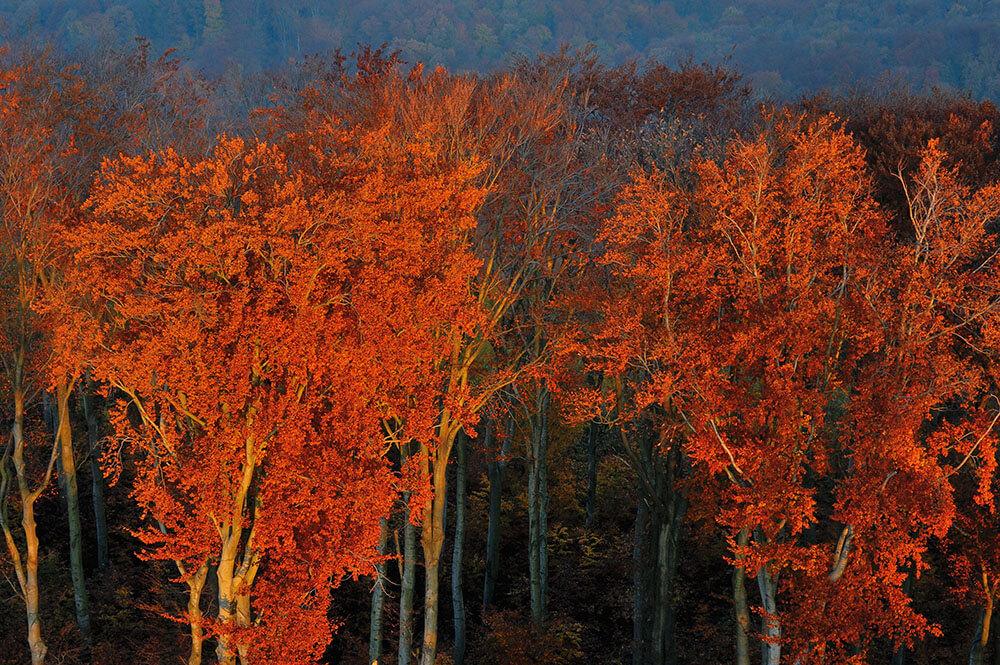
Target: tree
(44, 110)
(259, 329)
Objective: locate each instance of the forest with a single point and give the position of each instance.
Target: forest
(786, 47)
(364, 361)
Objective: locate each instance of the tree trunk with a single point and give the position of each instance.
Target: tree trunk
(243, 620)
(662, 590)
(668, 521)
(407, 581)
(234, 613)
(770, 646)
(457, 597)
(432, 533)
(659, 520)
(976, 650)
(667, 546)
(495, 471)
(591, 500)
(225, 650)
(378, 597)
(26, 568)
(639, 588)
(96, 476)
(740, 606)
(977, 654)
(31, 602)
(196, 584)
(73, 512)
(538, 500)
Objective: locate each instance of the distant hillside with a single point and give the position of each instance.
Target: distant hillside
(786, 46)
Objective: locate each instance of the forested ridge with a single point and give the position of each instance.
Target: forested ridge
(786, 47)
(569, 362)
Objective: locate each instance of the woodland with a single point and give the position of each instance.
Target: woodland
(363, 361)
(786, 47)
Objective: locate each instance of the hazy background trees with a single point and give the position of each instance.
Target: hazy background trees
(784, 46)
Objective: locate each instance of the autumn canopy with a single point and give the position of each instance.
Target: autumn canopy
(451, 360)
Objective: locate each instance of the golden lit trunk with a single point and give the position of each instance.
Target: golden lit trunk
(27, 570)
(236, 569)
(195, 586)
(68, 460)
(432, 535)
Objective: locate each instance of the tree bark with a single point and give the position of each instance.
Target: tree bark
(96, 476)
(407, 582)
(668, 521)
(770, 646)
(639, 588)
(495, 471)
(243, 620)
(457, 597)
(538, 500)
(740, 606)
(70, 486)
(237, 566)
(378, 597)
(196, 583)
(977, 654)
(26, 567)
(32, 605)
(225, 649)
(432, 532)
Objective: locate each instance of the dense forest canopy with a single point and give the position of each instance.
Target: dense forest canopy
(578, 351)
(784, 46)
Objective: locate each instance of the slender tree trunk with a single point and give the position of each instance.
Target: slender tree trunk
(668, 522)
(96, 476)
(234, 601)
(663, 591)
(432, 534)
(31, 601)
(407, 582)
(667, 547)
(225, 650)
(243, 620)
(543, 513)
(977, 654)
(26, 569)
(591, 500)
(73, 512)
(237, 565)
(639, 588)
(538, 500)
(770, 646)
(432, 539)
(196, 583)
(378, 597)
(740, 605)
(976, 650)
(234, 612)
(457, 597)
(495, 471)
(984, 638)
(432, 584)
